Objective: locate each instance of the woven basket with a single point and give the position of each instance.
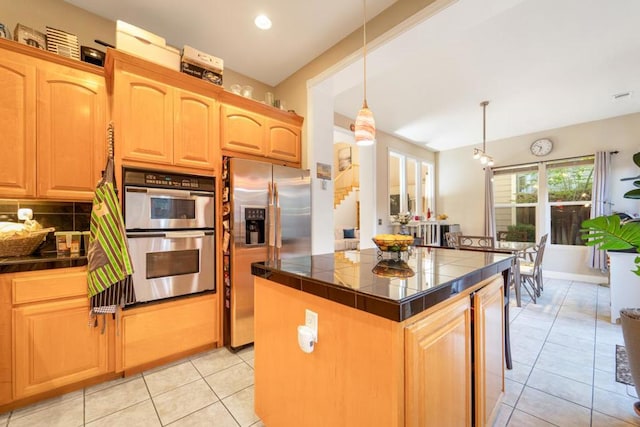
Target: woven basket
(23, 244)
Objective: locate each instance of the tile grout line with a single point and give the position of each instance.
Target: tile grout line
(555, 317)
(595, 347)
(153, 403)
(252, 385)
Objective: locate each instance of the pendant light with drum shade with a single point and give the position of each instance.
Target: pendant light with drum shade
(365, 127)
(479, 154)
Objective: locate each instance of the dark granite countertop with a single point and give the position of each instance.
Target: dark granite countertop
(42, 261)
(384, 286)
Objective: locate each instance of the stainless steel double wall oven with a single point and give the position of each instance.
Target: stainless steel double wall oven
(170, 224)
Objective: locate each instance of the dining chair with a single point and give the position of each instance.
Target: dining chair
(531, 270)
(452, 238)
(485, 242)
(513, 236)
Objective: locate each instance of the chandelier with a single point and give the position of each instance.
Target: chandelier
(479, 154)
(365, 127)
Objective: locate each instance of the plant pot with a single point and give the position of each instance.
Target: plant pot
(630, 319)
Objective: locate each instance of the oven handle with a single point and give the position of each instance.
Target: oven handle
(183, 234)
(170, 192)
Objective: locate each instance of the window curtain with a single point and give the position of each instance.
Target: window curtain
(489, 209)
(600, 203)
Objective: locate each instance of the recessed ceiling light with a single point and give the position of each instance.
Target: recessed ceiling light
(263, 22)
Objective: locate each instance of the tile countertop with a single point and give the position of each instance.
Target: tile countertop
(376, 284)
(43, 261)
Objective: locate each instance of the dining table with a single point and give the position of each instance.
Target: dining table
(519, 249)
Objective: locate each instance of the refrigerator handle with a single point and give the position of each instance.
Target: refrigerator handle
(271, 226)
(278, 220)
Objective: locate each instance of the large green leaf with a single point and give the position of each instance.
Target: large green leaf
(633, 194)
(607, 232)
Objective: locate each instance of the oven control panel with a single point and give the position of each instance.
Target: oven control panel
(159, 179)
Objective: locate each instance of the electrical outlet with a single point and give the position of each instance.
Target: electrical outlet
(311, 321)
(379, 221)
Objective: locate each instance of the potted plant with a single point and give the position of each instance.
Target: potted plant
(610, 233)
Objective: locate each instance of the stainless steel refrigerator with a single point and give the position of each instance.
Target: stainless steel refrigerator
(266, 215)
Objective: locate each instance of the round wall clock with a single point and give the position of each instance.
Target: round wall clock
(541, 147)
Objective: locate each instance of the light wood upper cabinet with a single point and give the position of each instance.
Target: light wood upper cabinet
(245, 131)
(162, 124)
(17, 125)
(71, 132)
(144, 111)
(242, 131)
(53, 122)
(283, 141)
(194, 130)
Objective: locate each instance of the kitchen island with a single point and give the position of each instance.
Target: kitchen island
(417, 341)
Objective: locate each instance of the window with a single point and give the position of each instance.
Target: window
(516, 199)
(569, 196)
(410, 185)
(555, 193)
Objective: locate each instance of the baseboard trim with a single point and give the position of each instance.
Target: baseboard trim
(587, 278)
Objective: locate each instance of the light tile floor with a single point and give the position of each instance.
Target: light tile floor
(208, 389)
(564, 375)
(564, 361)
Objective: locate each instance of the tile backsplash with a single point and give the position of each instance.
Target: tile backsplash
(63, 216)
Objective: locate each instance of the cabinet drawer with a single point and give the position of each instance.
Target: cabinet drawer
(39, 286)
(161, 330)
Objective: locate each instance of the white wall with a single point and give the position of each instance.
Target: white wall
(460, 189)
(384, 144)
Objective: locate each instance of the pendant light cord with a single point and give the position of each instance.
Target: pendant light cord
(484, 125)
(364, 43)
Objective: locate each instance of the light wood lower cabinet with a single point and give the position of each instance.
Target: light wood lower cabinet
(488, 320)
(55, 346)
(429, 370)
(438, 364)
(53, 343)
(159, 331)
(5, 339)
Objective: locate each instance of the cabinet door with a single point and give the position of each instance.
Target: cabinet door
(242, 131)
(5, 338)
(283, 141)
(70, 133)
(438, 368)
(488, 315)
(159, 331)
(55, 346)
(17, 126)
(144, 114)
(194, 130)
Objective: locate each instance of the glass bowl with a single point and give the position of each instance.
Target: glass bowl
(393, 242)
(393, 268)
